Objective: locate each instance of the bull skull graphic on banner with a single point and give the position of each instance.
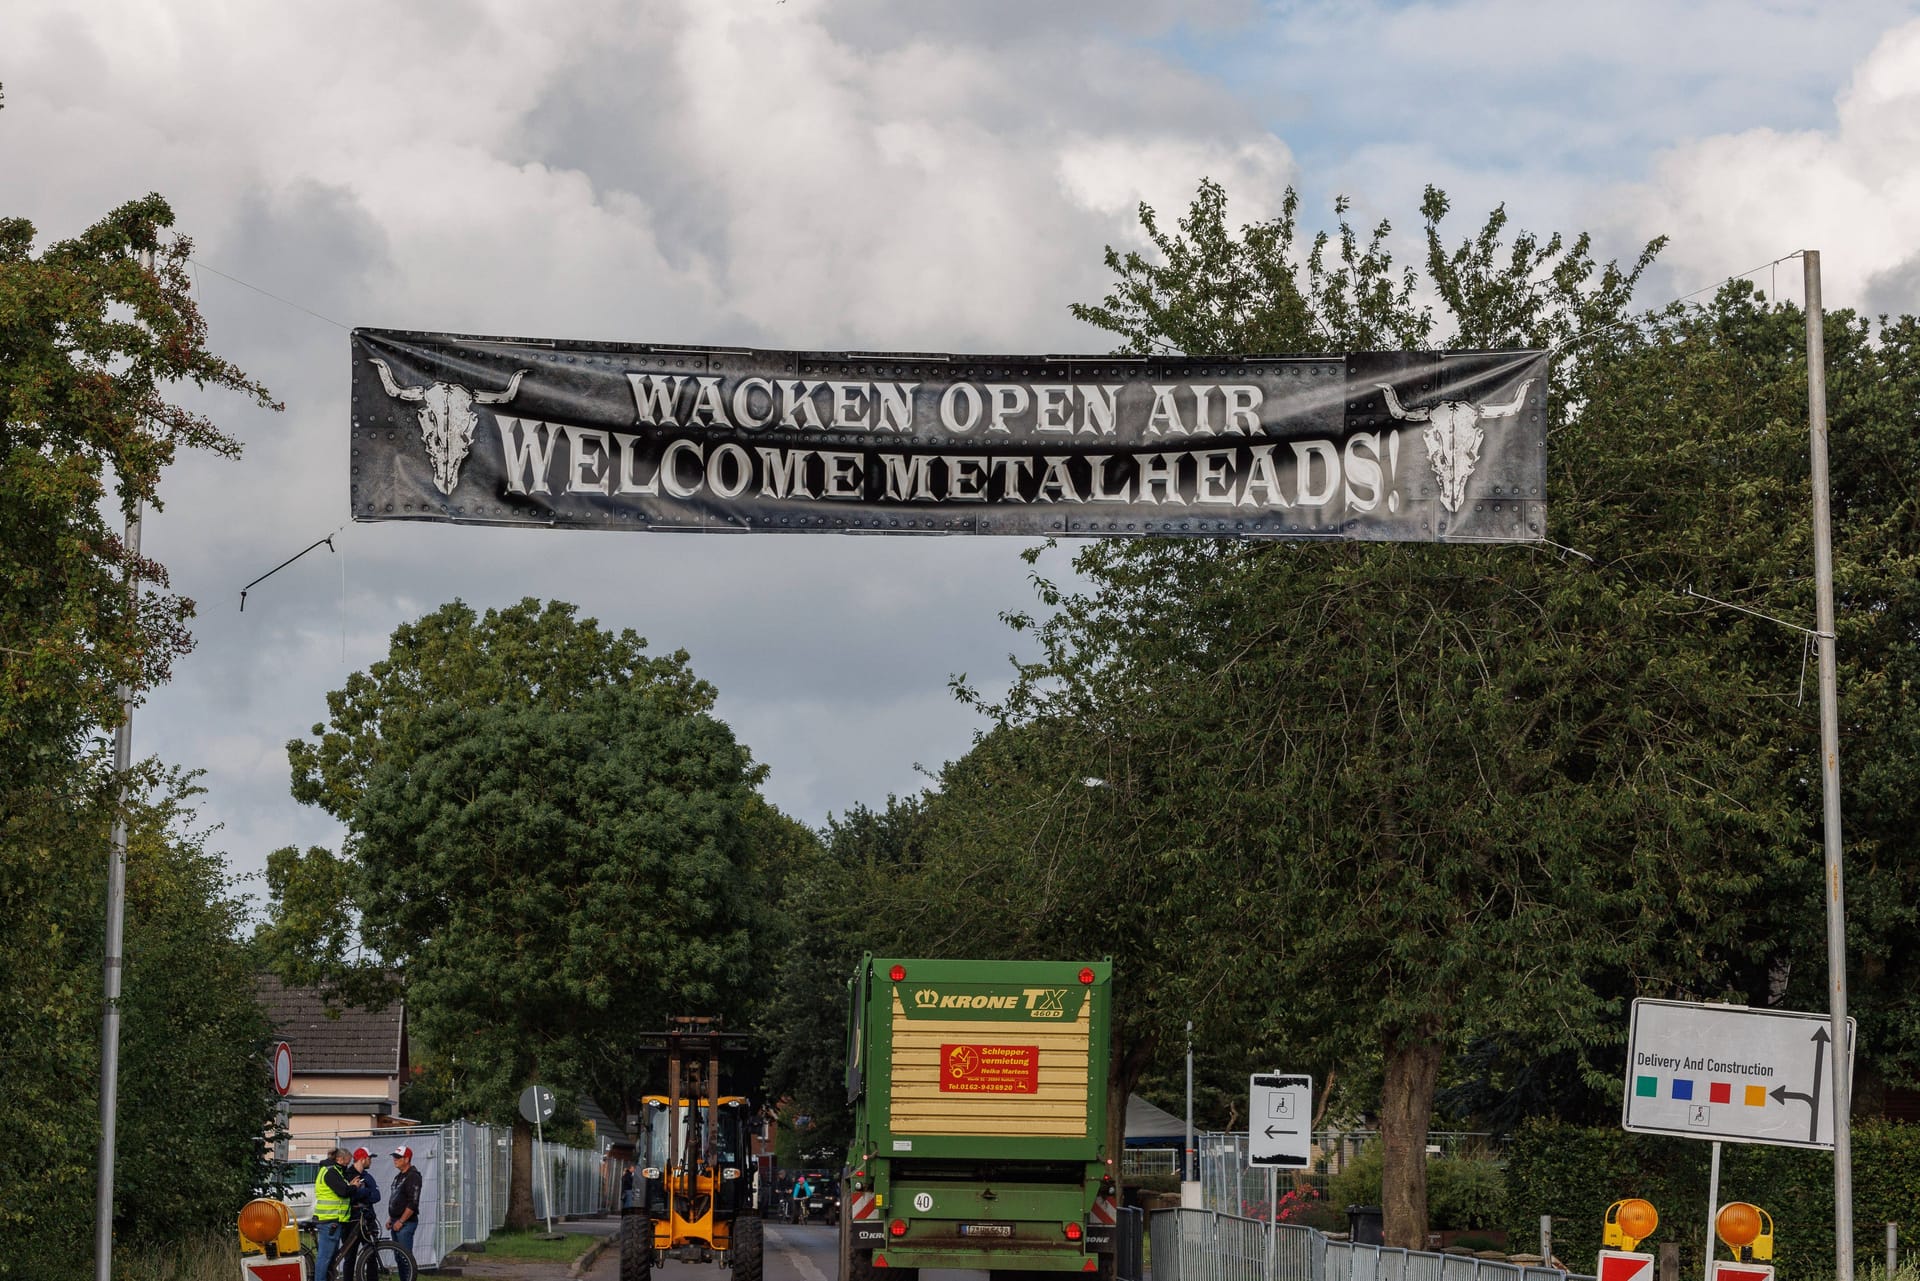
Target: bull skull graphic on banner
(1453, 436)
(447, 420)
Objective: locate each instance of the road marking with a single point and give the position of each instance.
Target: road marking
(808, 1270)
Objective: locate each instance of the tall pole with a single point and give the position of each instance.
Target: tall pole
(1188, 1166)
(1840, 1048)
(116, 929)
(1713, 1209)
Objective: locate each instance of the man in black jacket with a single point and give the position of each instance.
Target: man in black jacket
(403, 1207)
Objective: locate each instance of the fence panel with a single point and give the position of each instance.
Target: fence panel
(1206, 1245)
(1299, 1254)
(1142, 1162)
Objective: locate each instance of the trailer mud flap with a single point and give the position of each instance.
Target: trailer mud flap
(863, 1216)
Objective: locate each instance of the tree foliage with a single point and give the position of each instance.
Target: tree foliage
(194, 1090)
(551, 845)
(90, 341)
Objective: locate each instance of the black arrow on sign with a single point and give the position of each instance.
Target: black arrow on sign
(1781, 1093)
(1271, 1132)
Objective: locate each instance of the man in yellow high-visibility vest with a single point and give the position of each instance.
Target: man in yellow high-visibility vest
(332, 1208)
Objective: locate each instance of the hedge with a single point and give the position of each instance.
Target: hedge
(1574, 1173)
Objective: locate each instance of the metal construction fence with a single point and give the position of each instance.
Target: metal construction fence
(1228, 1184)
(1205, 1245)
(1136, 1163)
(466, 1172)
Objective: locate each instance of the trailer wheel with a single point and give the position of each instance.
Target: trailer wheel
(636, 1248)
(747, 1254)
(855, 1265)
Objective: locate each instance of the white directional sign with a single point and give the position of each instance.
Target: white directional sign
(1731, 1072)
(1280, 1121)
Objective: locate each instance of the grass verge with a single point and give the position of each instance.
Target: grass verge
(208, 1257)
(528, 1245)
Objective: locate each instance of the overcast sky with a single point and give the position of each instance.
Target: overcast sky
(828, 174)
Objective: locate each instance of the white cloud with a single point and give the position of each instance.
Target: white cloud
(823, 173)
(1852, 191)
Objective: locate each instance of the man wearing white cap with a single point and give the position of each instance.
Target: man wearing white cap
(403, 1207)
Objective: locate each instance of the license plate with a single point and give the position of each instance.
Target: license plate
(986, 1229)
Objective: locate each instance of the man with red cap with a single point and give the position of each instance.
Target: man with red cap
(366, 1195)
(403, 1208)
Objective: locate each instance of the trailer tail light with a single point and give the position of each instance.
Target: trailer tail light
(898, 1227)
(897, 973)
(1086, 974)
(1073, 1232)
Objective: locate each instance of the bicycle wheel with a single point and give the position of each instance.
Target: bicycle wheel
(385, 1261)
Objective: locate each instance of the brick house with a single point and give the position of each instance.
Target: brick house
(348, 1064)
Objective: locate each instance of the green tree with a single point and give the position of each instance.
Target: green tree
(827, 921)
(550, 839)
(1423, 792)
(90, 341)
(193, 1087)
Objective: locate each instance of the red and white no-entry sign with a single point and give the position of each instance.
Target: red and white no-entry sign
(282, 1067)
(1624, 1265)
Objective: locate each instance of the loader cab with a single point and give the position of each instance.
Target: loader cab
(685, 1174)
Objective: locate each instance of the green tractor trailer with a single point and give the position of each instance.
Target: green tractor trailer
(979, 1093)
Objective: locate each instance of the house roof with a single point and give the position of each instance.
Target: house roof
(334, 1039)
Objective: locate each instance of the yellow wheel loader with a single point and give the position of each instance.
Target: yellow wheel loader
(693, 1191)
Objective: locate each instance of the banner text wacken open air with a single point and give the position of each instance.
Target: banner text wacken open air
(1410, 446)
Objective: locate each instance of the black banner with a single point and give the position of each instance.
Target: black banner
(1409, 446)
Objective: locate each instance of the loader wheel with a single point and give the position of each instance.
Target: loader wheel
(748, 1251)
(636, 1248)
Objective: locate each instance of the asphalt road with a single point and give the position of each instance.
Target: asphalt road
(794, 1252)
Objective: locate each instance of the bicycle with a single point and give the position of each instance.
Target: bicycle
(365, 1255)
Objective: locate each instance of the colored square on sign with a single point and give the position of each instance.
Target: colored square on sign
(1647, 1087)
(1756, 1096)
(1682, 1088)
(1720, 1092)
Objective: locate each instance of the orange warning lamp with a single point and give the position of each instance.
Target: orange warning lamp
(267, 1225)
(1629, 1222)
(1747, 1230)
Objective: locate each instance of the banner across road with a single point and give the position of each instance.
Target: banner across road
(1405, 446)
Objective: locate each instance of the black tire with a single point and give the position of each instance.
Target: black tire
(385, 1261)
(747, 1254)
(855, 1265)
(636, 1248)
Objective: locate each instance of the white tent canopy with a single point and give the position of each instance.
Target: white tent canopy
(1149, 1126)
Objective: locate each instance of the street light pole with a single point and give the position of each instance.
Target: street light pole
(1840, 1049)
(116, 928)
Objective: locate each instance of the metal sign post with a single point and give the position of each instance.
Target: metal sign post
(536, 1105)
(1713, 1205)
